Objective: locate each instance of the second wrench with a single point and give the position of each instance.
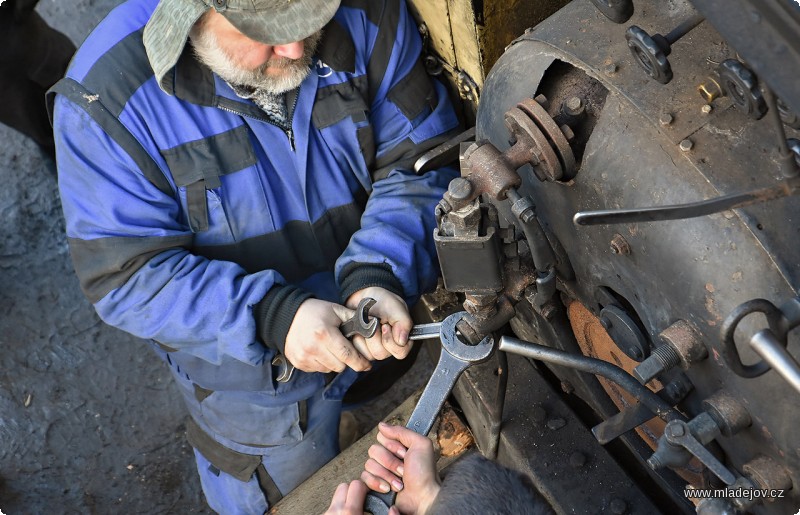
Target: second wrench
(455, 357)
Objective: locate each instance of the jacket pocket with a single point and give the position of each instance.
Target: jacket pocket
(247, 418)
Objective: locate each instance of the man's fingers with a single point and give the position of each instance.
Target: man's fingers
(339, 499)
(386, 459)
(399, 351)
(343, 350)
(392, 446)
(373, 482)
(376, 346)
(403, 435)
(356, 494)
(360, 343)
(383, 477)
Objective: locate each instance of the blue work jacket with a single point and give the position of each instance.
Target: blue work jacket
(196, 222)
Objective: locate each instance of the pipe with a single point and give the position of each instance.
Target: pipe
(593, 366)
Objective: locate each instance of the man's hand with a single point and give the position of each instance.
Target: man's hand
(396, 323)
(406, 461)
(314, 342)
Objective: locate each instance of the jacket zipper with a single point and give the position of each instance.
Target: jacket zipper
(286, 130)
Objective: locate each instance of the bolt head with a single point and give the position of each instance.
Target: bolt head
(542, 101)
(706, 109)
(686, 145)
(666, 119)
(573, 106)
(460, 188)
(676, 430)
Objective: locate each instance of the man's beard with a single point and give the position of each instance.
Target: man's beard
(291, 72)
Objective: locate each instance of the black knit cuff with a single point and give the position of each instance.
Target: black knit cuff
(357, 276)
(275, 312)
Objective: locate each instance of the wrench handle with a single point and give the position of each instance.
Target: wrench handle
(379, 503)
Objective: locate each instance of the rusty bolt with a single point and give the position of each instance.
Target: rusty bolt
(618, 506)
(577, 459)
(686, 145)
(567, 130)
(709, 90)
(706, 109)
(666, 119)
(542, 101)
(620, 246)
(573, 106)
(611, 68)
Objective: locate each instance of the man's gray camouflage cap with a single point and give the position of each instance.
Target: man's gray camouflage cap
(273, 22)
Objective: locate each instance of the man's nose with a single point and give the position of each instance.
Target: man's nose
(289, 50)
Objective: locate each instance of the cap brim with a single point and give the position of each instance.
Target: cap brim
(294, 21)
(166, 33)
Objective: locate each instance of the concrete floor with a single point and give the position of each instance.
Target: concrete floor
(90, 421)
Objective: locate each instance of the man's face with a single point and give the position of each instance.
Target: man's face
(245, 62)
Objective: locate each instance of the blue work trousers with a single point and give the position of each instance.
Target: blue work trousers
(288, 465)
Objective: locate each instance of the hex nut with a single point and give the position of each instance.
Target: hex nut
(666, 119)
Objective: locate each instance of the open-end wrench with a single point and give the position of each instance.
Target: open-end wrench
(360, 323)
(455, 357)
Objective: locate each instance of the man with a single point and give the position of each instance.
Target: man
(229, 192)
(405, 461)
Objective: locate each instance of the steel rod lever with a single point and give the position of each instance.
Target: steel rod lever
(785, 188)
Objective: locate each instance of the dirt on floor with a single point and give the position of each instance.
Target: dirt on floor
(90, 421)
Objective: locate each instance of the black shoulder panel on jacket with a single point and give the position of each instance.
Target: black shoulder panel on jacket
(119, 73)
(94, 107)
(336, 49)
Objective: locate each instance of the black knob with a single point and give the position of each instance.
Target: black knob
(650, 52)
(618, 11)
(741, 85)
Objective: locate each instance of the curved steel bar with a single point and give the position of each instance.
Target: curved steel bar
(593, 366)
